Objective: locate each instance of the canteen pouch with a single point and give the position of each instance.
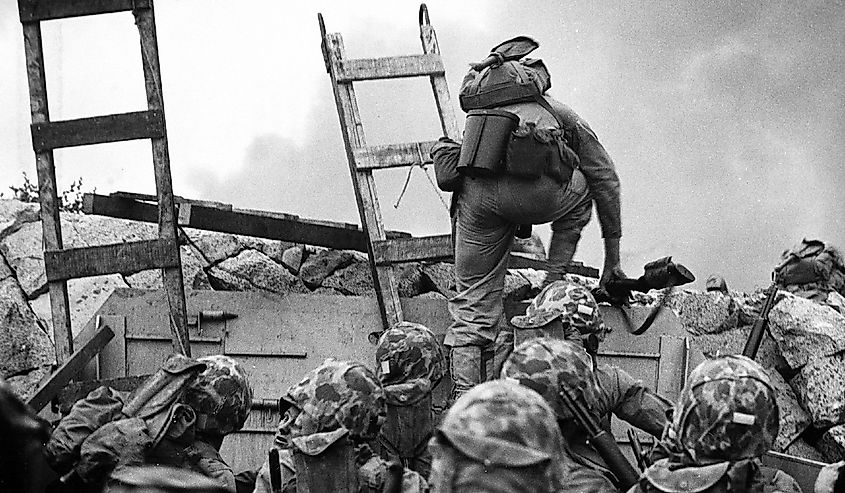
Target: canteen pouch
(533, 152)
(486, 137)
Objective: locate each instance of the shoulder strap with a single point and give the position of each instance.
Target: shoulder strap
(546, 106)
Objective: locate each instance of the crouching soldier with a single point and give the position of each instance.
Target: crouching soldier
(567, 310)
(725, 420)
(328, 421)
(409, 364)
(499, 436)
(155, 424)
(545, 365)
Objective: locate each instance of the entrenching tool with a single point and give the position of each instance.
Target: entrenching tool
(510, 50)
(662, 273)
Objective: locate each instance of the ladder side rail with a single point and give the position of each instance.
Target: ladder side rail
(384, 279)
(171, 276)
(445, 110)
(48, 194)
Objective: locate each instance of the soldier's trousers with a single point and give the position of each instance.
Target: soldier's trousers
(487, 214)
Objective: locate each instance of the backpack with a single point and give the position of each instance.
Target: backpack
(526, 151)
(812, 269)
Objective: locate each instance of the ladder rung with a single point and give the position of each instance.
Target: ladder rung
(393, 155)
(401, 250)
(97, 130)
(42, 10)
(393, 67)
(99, 260)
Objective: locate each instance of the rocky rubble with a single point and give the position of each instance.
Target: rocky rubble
(804, 355)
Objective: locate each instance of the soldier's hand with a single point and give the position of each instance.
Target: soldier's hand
(611, 273)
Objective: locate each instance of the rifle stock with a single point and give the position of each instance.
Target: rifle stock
(755, 338)
(602, 441)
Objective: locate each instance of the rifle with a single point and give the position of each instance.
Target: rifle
(602, 441)
(637, 448)
(755, 338)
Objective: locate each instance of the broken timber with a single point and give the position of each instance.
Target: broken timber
(77, 361)
(223, 218)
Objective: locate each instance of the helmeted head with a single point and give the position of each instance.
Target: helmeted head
(570, 302)
(544, 365)
(337, 397)
(726, 412)
(496, 431)
(221, 396)
(409, 363)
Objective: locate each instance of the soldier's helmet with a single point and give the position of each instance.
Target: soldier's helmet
(409, 362)
(499, 424)
(573, 303)
(221, 396)
(337, 394)
(726, 412)
(544, 365)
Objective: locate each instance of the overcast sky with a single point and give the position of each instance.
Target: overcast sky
(726, 119)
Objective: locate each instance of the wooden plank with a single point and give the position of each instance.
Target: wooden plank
(171, 276)
(42, 10)
(97, 130)
(177, 199)
(394, 67)
(384, 279)
(388, 252)
(284, 227)
(670, 369)
(393, 155)
(439, 248)
(54, 384)
(51, 227)
(111, 259)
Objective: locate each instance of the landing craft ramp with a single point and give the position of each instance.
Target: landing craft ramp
(279, 338)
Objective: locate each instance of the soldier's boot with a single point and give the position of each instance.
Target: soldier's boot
(465, 368)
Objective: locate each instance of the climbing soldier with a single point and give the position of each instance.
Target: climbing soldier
(525, 159)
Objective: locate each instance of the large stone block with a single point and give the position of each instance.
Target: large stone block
(800, 448)
(85, 297)
(251, 270)
(214, 248)
(805, 330)
(733, 342)
(357, 280)
(793, 418)
(293, 257)
(24, 344)
(439, 277)
(819, 386)
(23, 249)
(832, 444)
(321, 265)
(702, 313)
(14, 214)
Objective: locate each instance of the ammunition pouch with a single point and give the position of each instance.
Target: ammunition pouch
(534, 152)
(486, 137)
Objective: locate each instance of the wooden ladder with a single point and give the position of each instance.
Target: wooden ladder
(385, 253)
(60, 263)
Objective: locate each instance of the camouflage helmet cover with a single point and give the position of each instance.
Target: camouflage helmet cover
(336, 395)
(573, 303)
(503, 423)
(221, 395)
(544, 365)
(727, 411)
(409, 362)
